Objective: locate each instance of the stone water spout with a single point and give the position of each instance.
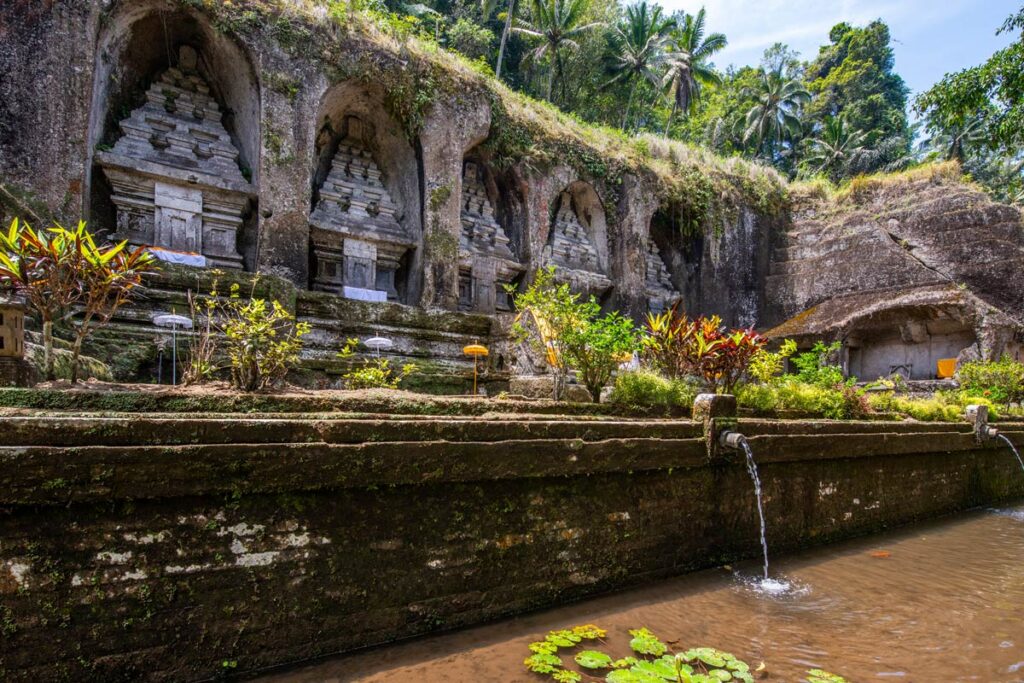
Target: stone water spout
(733, 440)
(977, 415)
(983, 431)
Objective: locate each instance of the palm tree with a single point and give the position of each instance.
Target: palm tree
(836, 145)
(487, 8)
(687, 68)
(640, 43)
(557, 23)
(953, 142)
(776, 116)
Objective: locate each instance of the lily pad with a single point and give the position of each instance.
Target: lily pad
(566, 676)
(543, 663)
(646, 643)
(592, 659)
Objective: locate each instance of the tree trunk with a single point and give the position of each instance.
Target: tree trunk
(76, 351)
(504, 37)
(629, 105)
(48, 350)
(551, 79)
(672, 115)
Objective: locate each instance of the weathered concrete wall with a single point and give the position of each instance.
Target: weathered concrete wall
(169, 549)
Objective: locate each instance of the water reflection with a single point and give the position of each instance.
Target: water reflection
(935, 603)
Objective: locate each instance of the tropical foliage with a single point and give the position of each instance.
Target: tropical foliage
(63, 273)
(571, 333)
(700, 347)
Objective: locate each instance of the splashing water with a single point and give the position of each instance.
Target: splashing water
(1013, 448)
(752, 469)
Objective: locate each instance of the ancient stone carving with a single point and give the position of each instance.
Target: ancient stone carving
(573, 253)
(486, 262)
(174, 172)
(661, 295)
(358, 241)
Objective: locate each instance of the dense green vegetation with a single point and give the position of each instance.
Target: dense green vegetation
(842, 113)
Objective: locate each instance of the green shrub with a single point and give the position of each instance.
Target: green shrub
(376, 374)
(645, 388)
(261, 339)
(816, 366)
(943, 406)
(1000, 381)
(766, 364)
(838, 402)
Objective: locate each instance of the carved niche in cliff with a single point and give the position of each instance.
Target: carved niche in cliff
(572, 250)
(660, 293)
(358, 241)
(174, 172)
(486, 261)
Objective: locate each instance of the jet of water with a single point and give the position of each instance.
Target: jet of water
(1013, 448)
(752, 469)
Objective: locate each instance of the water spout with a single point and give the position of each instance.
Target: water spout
(1013, 448)
(737, 441)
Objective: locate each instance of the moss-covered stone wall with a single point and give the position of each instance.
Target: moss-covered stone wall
(186, 547)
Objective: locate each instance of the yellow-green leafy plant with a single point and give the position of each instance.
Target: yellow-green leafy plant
(261, 339)
(766, 365)
(376, 374)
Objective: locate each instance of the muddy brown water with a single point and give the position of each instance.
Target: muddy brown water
(935, 603)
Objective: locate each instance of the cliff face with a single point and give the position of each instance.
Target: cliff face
(288, 78)
(925, 228)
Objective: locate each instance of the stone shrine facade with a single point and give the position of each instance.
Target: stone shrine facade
(357, 239)
(174, 173)
(486, 261)
(661, 295)
(572, 251)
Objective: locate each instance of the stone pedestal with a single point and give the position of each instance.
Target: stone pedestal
(17, 372)
(174, 172)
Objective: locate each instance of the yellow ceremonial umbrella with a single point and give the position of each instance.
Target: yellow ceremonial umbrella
(476, 351)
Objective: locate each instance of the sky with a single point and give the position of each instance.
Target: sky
(930, 37)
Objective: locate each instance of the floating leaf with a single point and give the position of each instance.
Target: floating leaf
(664, 668)
(646, 643)
(589, 632)
(720, 674)
(592, 659)
(624, 663)
(819, 676)
(543, 646)
(563, 638)
(566, 676)
(543, 663)
(632, 676)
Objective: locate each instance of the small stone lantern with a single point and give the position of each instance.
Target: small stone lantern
(12, 330)
(14, 369)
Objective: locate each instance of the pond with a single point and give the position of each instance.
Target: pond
(942, 601)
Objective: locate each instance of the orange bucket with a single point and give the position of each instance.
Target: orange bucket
(947, 368)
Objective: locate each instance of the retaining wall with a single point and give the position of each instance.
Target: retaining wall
(180, 547)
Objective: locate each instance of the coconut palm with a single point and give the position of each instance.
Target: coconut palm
(640, 42)
(952, 143)
(487, 8)
(833, 149)
(776, 115)
(687, 68)
(557, 23)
